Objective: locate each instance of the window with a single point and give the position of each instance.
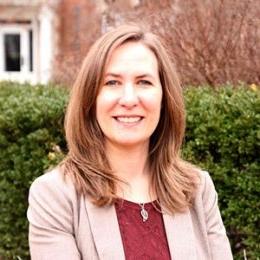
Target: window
(12, 52)
(30, 49)
(16, 52)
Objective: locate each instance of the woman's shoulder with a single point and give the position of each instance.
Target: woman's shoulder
(54, 176)
(206, 184)
(52, 184)
(206, 197)
(200, 178)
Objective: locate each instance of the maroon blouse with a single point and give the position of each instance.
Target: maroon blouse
(142, 240)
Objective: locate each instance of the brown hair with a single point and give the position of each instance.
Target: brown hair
(173, 180)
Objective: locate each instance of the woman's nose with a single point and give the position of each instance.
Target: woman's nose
(129, 97)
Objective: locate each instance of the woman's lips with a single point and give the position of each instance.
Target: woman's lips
(128, 119)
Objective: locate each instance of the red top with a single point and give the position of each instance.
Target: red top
(142, 240)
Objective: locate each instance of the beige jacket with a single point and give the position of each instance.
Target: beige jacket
(67, 227)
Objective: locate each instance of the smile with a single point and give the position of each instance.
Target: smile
(128, 119)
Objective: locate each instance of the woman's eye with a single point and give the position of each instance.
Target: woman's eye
(112, 83)
(144, 82)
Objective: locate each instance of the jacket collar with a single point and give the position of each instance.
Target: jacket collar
(180, 235)
(105, 231)
(107, 237)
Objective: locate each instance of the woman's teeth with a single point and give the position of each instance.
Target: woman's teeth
(128, 119)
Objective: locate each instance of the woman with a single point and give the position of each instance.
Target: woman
(123, 192)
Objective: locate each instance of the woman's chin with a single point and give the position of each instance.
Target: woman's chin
(129, 143)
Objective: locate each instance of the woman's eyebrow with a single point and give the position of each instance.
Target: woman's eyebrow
(146, 75)
(111, 74)
(117, 75)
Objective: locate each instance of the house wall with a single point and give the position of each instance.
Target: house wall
(78, 25)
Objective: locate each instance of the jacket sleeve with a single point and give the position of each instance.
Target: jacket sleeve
(218, 240)
(50, 216)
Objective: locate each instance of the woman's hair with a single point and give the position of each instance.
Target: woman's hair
(173, 180)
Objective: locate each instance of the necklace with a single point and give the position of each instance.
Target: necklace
(143, 212)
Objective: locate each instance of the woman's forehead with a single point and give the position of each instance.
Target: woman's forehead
(133, 56)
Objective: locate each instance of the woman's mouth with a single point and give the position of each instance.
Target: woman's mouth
(128, 119)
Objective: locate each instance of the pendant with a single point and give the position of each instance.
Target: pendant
(144, 213)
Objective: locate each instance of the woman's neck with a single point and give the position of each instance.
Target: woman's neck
(130, 164)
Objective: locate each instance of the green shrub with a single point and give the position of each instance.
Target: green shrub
(222, 136)
(31, 134)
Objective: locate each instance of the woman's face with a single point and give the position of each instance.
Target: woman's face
(129, 101)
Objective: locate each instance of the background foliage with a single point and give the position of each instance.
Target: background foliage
(31, 123)
(223, 136)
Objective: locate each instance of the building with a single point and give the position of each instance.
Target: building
(43, 40)
(211, 42)
(26, 41)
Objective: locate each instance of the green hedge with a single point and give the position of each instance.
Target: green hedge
(222, 136)
(31, 123)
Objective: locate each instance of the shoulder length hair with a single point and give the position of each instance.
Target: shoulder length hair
(173, 180)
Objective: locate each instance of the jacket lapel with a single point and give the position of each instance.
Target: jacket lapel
(180, 236)
(105, 230)
(107, 237)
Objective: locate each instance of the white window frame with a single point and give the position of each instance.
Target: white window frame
(24, 74)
